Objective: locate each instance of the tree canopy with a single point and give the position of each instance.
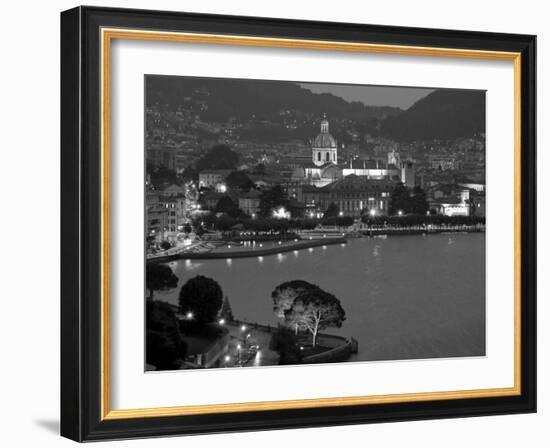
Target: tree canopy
(399, 199)
(315, 310)
(419, 203)
(403, 201)
(226, 205)
(332, 211)
(239, 180)
(272, 198)
(226, 312)
(159, 277)
(284, 295)
(161, 175)
(219, 157)
(202, 297)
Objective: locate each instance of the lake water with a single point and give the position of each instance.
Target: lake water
(405, 297)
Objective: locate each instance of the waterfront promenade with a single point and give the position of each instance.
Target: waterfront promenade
(246, 251)
(321, 236)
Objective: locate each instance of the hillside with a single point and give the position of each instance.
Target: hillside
(443, 114)
(243, 98)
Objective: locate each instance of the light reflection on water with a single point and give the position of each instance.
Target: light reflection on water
(405, 297)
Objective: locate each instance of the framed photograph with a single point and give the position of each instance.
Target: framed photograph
(277, 224)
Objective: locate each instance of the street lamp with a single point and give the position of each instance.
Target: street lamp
(243, 328)
(189, 315)
(400, 212)
(221, 321)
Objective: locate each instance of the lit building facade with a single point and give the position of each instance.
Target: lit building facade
(213, 179)
(177, 213)
(443, 162)
(156, 217)
(354, 196)
(249, 202)
(373, 169)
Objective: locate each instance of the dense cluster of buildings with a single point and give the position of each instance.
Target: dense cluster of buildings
(168, 210)
(451, 175)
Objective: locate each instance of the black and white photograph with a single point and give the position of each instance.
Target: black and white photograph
(295, 223)
(281, 222)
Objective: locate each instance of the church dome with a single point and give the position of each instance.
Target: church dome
(324, 139)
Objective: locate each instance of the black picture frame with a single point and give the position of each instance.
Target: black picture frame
(81, 413)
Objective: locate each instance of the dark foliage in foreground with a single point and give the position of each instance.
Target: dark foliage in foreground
(164, 345)
(159, 277)
(285, 343)
(202, 297)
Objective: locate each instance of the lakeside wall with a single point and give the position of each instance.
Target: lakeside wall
(420, 230)
(342, 349)
(302, 244)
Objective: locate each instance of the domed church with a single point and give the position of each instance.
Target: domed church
(324, 148)
(323, 168)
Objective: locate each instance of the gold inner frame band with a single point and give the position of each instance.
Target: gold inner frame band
(107, 35)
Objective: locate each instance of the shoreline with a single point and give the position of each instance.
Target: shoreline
(301, 244)
(416, 231)
(306, 244)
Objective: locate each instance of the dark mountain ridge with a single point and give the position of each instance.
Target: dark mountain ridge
(244, 98)
(443, 114)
